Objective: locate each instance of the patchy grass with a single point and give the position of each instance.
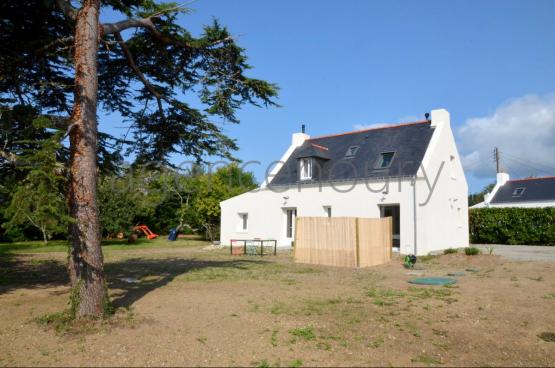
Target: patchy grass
(61, 322)
(426, 359)
(318, 306)
(273, 338)
(306, 307)
(444, 293)
(377, 343)
(296, 363)
(547, 336)
(306, 333)
(385, 297)
(428, 258)
(472, 251)
(450, 251)
(64, 323)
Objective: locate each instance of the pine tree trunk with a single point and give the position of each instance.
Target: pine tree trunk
(86, 269)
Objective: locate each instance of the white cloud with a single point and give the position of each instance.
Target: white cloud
(524, 131)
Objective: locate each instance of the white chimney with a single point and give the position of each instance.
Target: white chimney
(298, 139)
(502, 178)
(440, 117)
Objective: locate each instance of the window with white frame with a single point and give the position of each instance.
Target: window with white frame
(243, 221)
(305, 169)
(290, 215)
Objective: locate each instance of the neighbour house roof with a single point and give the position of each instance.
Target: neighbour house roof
(526, 190)
(392, 151)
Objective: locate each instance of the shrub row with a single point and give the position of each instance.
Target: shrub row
(534, 226)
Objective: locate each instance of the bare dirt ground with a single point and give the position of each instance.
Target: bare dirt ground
(199, 307)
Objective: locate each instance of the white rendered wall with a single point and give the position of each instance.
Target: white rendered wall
(443, 221)
(267, 217)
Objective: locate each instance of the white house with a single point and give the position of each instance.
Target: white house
(410, 171)
(529, 192)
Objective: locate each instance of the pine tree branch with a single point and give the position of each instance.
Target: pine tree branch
(146, 23)
(59, 42)
(8, 156)
(131, 61)
(68, 9)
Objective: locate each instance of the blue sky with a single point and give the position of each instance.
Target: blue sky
(345, 64)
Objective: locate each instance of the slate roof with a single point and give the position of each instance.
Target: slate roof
(409, 141)
(535, 190)
(313, 150)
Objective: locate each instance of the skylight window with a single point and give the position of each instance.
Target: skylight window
(384, 160)
(351, 151)
(518, 192)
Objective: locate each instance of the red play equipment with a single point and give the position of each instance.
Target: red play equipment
(149, 234)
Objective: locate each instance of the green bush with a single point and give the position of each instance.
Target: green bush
(472, 251)
(450, 251)
(533, 226)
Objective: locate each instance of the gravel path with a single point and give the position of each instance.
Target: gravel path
(521, 252)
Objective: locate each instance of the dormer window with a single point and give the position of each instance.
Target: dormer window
(384, 160)
(305, 169)
(518, 192)
(351, 151)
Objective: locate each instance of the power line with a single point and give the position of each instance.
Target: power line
(525, 162)
(522, 163)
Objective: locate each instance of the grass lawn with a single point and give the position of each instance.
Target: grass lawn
(181, 304)
(107, 245)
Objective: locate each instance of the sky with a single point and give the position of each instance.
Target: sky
(345, 65)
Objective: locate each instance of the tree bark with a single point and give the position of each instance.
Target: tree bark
(85, 264)
(44, 235)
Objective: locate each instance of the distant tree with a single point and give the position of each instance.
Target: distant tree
(23, 130)
(58, 56)
(38, 200)
(476, 198)
(203, 211)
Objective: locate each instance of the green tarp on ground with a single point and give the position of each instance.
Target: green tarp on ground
(433, 281)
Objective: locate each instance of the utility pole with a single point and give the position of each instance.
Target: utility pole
(496, 154)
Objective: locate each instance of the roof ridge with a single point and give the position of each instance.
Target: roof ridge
(537, 178)
(370, 129)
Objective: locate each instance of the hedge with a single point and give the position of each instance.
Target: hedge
(534, 226)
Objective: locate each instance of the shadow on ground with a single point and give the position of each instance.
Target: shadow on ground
(16, 272)
(130, 279)
(134, 278)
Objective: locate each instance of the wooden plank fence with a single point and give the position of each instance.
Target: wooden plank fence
(343, 241)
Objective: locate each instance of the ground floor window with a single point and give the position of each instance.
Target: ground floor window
(244, 221)
(291, 214)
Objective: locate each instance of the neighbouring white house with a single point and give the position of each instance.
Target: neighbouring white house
(411, 172)
(529, 192)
